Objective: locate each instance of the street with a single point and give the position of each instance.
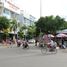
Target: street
(32, 57)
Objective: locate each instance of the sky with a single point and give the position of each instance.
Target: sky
(48, 7)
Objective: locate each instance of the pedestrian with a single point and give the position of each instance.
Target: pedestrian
(36, 41)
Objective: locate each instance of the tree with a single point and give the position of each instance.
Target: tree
(4, 26)
(4, 23)
(64, 26)
(13, 26)
(49, 24)
(31, 31)
(21, 34)
(21, 31)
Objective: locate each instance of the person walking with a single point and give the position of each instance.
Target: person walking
(36, 41)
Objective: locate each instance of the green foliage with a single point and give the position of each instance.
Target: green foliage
(4, 23)
(13, 25)
(64, 26)
(20, 34)
(4, 26)
(5, 35)
(49, 24)
(23, 27)
(31, 31)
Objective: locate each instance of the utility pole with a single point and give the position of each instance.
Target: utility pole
(40, 12)
(40, 8)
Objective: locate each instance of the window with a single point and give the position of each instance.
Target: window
(6, 11)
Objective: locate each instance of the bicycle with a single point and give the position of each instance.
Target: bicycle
(48, 49)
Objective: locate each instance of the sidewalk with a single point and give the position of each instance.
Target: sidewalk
(7, 46)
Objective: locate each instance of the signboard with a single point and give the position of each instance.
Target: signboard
(9, 5)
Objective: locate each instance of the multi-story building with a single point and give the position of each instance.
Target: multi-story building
(11, 11)
(27, 19)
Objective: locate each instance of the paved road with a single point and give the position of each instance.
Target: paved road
(17, 57)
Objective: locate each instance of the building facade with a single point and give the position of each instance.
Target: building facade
(11, 11)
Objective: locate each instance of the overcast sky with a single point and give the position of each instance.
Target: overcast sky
(49, 7)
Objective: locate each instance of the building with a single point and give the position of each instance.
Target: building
(26, 18)
(11, 11)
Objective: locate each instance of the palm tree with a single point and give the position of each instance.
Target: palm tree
(14, 27)
(21, 30)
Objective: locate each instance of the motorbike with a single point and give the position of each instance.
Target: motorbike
(18, 43)
(25, 44)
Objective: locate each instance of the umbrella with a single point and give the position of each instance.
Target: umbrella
(61, 35)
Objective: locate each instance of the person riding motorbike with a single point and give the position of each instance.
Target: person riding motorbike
(18, 43)
(25, 44)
